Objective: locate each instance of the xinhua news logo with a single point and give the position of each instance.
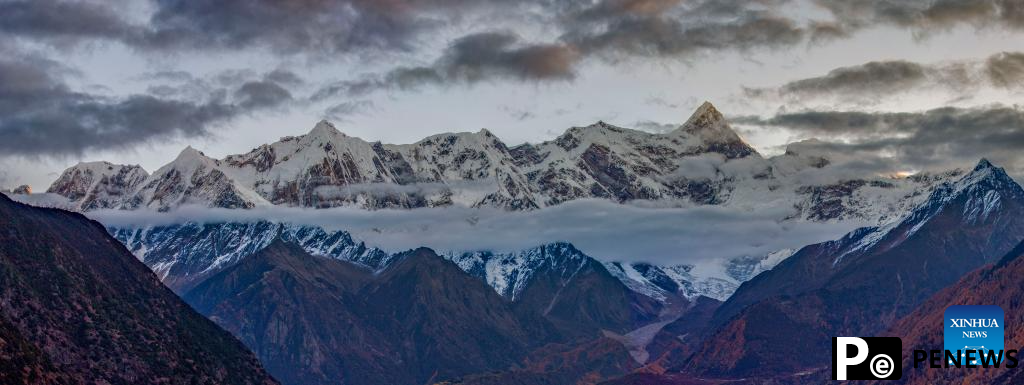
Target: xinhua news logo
(972, 339)
(867, 358)
(973, 328)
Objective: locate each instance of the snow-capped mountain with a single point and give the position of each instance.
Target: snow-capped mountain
(192, 178)
(662, 282)
(182, 255)
(510, 273)
(98, 185)
(864, 281)
(702, 162)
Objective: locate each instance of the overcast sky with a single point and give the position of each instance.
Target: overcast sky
(918, 84)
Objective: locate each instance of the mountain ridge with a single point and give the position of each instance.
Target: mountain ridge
(79, 308)
(702, 162)
(418, 320)
(863, 282)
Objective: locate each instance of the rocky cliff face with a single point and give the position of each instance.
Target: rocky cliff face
(76, 307)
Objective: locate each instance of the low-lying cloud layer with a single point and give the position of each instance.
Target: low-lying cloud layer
(602, 229)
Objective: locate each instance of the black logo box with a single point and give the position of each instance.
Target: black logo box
(890, 346)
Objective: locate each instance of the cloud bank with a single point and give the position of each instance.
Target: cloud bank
(933, 139)
(604, 230)
(874, 81)
(41, 114)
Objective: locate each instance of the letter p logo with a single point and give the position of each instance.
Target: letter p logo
(850, 358)
(842, 358)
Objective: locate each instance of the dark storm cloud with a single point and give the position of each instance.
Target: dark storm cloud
(874, 80)
(933, 138)
(41, 115)
(471, 59)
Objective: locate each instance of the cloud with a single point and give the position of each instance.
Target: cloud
(655, 127)
(282, 26)
(471, 59)
(499, 54)
(261, 94)
(342, 111)
(873, 81)
(617, 30)
(925, 16)
(664, 36)
(937, 138)
(869, 78)
(609, 30)
(40, 114)
(1006, 69)
(63, 22)
(602, 229)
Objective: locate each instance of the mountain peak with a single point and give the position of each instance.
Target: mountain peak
(324, 129)
(983, 192)
(983, 164)
(706, 116)
(189, 153)
(709, 126)
(985, 170)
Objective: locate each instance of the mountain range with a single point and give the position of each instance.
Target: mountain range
(317, 305)
(702, 162)
(672, 331)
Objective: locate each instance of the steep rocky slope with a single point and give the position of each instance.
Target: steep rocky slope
(780, 322)
(317, 320)
(76, 307)
(997, 284)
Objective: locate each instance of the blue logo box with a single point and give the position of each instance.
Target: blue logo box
(973, 327)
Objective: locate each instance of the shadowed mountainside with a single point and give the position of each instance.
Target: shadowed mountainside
(76, 307)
